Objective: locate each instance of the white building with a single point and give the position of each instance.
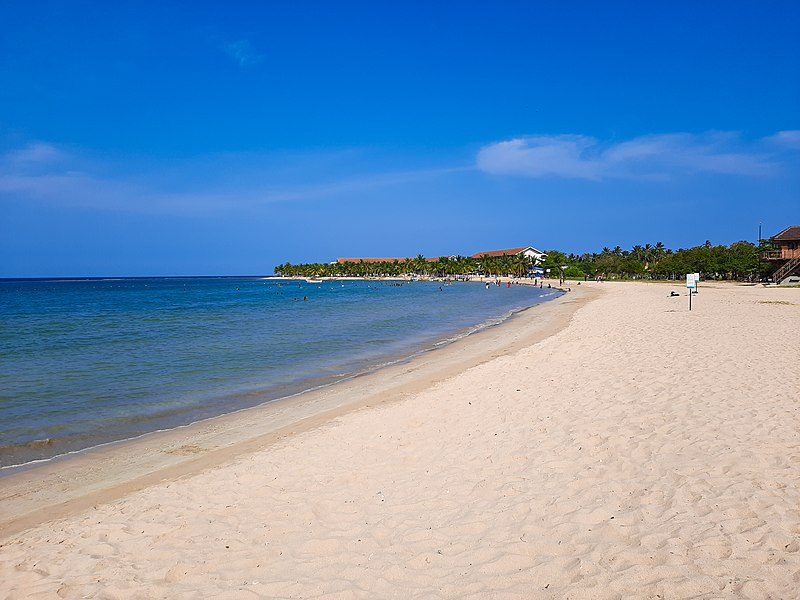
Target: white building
(536, 255)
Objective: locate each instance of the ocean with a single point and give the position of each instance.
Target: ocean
(86, 362)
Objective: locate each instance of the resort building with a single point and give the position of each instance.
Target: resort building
(786, 252)
(369, 260)
(381, 260)
(535, 256)
(534, 259)
(529, 251)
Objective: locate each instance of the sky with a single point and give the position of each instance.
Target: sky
(177, 138)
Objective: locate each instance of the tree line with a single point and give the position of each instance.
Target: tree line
(444, 266)
(740, 260)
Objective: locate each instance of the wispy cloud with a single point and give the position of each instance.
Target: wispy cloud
(660, 156)
(45, 173)
(786, 139)
(49, 174)
(35, 153)
(243, 53)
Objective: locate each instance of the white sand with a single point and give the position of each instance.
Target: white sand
(642, 451)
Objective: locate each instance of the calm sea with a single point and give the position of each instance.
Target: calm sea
(88, 362)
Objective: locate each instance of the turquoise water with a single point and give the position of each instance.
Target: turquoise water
(88, 362)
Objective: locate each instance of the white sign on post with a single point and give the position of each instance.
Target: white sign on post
(691, 283)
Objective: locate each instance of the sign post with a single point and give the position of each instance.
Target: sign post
(691, 285)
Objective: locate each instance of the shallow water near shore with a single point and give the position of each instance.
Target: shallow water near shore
(94, 361)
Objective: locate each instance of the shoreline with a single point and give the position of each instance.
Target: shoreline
(27, 453)
(56, 487)
(261, 397)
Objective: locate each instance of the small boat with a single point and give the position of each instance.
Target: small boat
(314, 280)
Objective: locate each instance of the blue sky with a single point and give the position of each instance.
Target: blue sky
(197, 138)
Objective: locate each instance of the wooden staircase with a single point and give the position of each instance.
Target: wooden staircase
(791, 267)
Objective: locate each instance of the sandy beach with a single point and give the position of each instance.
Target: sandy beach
(610, 444)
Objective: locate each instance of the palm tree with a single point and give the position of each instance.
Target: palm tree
(420, 265)
(522, 264)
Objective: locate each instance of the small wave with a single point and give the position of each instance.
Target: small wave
(33, 444)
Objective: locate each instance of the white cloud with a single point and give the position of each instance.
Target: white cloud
(539, 156)
(651, 156)
(45, 173)
(35, 153)
(243, 53)
(787, 139)
(73, 180)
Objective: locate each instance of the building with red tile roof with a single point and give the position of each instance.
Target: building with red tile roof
(529, 251)
(368, 259)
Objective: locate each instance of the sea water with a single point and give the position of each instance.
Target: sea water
(85, 362)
